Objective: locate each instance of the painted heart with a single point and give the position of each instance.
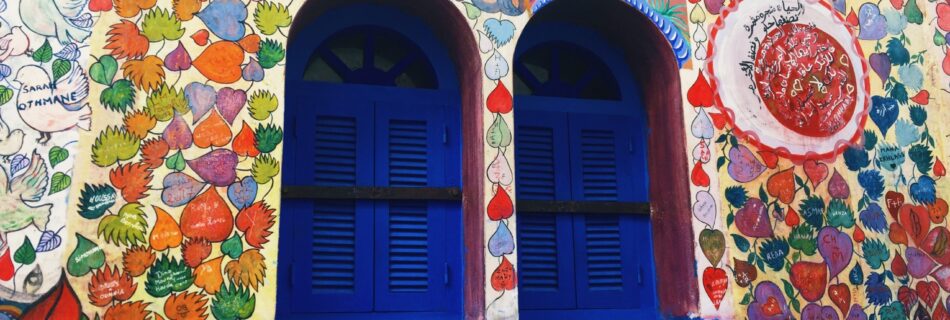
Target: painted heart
(942, 275)
(243, 193)
(503, 278)
(916, 222)
(857, 313)
(782, 185)
(810, 278)
(872, 23)
(928, 291)
(919, 264)
(221, 62)
(200, 99)
(768, 303)
(836, 248)
(499, 171)
(816, 172)
(881, 65)
(840, 295)
(496, 67)
(745, 272)
(940, 312)
(201, 37)
(715, 284)
(769, 158)
(922, 97)
(86, 257)
(705, 209)
(943, 16)
(179, 188)
(501, 242)
(713, 244)
(178, 59)
(499, 100)
(744, 166)
(701, 152)
(884, 112)
(251, 43)
(815, 312)
(225, 18)
(898, 265)
(165, 233)
(100, 5)
(752, 219)
(230, 102)
(698, 176)
(702, 126)
(217, 167)
(177, 134)
(253, 71)
(245, 143)
(700, 94)
(907, 297)
(838, 187)
(500, 206)
(894, 201)
(212, 132)
(499, 31)
(714, 6)
(937, 245)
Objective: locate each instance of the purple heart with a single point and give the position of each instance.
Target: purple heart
(838, 187)
(919, 264)
(179, 188)
(872, 23)
(177, 134)
(200, 98)
(229, 103)
(881, 64)
(753, 220)
(744, 166)
(857, 313)
(766, 294)
(216, 167)
(178, 59)
(836, 248)
(253, 71)
(815, 312)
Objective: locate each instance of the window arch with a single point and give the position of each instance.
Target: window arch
(565, 70)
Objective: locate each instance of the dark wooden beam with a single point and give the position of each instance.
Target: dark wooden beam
(371, 193)
(594, 207)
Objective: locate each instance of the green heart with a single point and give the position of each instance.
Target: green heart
(713, 244)
(103, 71)
(233, 246)
(176, 162)
(499, 135)
(85, 257)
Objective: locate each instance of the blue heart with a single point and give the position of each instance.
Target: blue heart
(502, 242)
(924, 190)
(225, 18)
(873, 24)
(242, 194)
(884, 112)
(500, 31)
(839, 5)
(508, 7)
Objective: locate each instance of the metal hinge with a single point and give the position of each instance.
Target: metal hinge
(445, 134)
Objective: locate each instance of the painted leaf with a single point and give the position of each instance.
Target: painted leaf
(61, 68)
(132, 180)
(44, 53)
(59, 182)
(248, 270)
(217, 167)
(270, 54)
(126, 228)
(233, 247)
(57, 155)
(104, 70)
(108, 285)
(255, 221)
(165, 101)
(49, 241)
(207, 216)
(176, 162)
(268, 137)
(125, 41)
(194, 251)
(154, 152)
(167, 276)
(137, 259)
(186, 9)
(208, 275)
(6, 94)
(261, 104)
(25, 254)
(270, 16)
(213, 131)
(119, 96)
(186, 306)
(264, 168)
(245, 144)
(127, 310)
(85, 257)
(165, 233)
(233, 302)
(221, 62)
(503, 278)
(159, 24)
(147, 74)
(113, 145)
(139, 123)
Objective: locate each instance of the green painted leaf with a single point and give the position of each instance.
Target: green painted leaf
(499, 134)
(25, 254)
(57, 155)
(233, 247)
(803, 238)
(939, 39)
(125, 228)
(840, 214)
(789, 290)
(268, 137)
(165, 101)
(59, 182)
(270, 16)
(875, 253)
(119, 96)
(160, 24)
(167, 276)
(61, 68)
(103, 71)
(176, 162)
(813, 210)
(741, 242)
(270, 54)
(261, 104)
(44, 53)
(233, 302)
(114, 144)
(95, 200)
(746, 299)
(912, 12)
(471, 11)
(85, 257)
(6, 94)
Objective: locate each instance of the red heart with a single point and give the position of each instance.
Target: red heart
(100, 5)
(896, 234)
(894, 201)
(200, 37)
(907, 297)
(715, 283)
(810, 279)
(939, 169)
(898, 265)
(916, 221)
(719, 120)
(503, 278)
(499, 100)
(6, 265)
(791, 218)
(500, 206)
(928, 292)
(700, 94)
(782, 185)
(858, 234)
(940, 313)
(841, 296)
(699, 176)
(853, 19)
(943, 16)
(898, 4)
(816, 172)
(771, 307)
(922, 97)
(769, 158)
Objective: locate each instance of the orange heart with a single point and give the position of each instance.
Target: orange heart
(251, 43)
(782, 185)
(938, 211)
(166, 233)
(244, 143)
(201, 37)
(213, 131)
(208, 275)
(221, 62)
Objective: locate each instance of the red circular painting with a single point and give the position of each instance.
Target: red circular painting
(805, 80)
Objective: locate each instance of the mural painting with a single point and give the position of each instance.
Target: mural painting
(817, 159)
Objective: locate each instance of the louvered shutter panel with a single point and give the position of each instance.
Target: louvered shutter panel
(605, 256)
(332, 269)
(410, 246)
(545, 254)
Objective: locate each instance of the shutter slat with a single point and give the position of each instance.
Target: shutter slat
(333, 267)
(408, 246)
(535, 162)
(335, 156)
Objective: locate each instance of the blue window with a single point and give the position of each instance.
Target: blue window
(581, 143)
(373, 225)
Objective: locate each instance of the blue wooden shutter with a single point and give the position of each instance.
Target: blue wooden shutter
(606, 262)
(411, 237)
(545, 249)
(332, 268)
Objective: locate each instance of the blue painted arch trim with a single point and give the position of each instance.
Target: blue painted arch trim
(677, 41)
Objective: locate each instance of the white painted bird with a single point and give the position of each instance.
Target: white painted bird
(17, 193)
(48, 106)
(14, 43)
(10, 141)
(51, 18)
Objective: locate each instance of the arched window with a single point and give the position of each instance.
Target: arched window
(584, 245)
(373, 178)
